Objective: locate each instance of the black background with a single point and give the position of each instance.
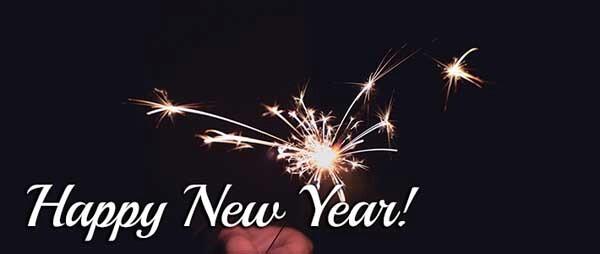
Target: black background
(491, 169)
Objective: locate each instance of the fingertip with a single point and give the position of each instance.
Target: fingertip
(237, 244)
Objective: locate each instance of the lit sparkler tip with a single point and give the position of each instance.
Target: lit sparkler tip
(324, 157)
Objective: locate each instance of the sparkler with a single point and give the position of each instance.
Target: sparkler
(315, 147)
(454, 72)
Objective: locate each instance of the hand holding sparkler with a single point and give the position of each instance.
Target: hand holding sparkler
(259, 240)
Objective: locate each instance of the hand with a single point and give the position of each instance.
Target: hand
(239, 240)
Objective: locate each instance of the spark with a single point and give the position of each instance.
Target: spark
(314, 149)
(454, 72)
(164, 106)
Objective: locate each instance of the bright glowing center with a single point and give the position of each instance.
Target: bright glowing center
(324, 157)
(171, 109)
(455, 70)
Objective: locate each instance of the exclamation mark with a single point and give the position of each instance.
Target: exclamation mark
(411, 196)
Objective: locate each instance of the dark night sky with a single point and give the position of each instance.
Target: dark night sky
(490, 168)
